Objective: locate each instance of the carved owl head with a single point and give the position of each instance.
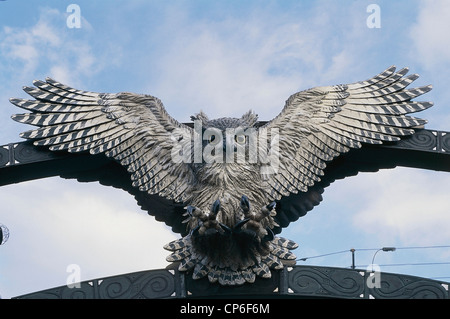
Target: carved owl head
(223, 138)
(247, 120)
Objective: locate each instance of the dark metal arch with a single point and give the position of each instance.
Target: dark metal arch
(426, 149)
(292, 282)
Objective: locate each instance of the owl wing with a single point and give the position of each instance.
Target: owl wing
(133, 129)
(320, 124)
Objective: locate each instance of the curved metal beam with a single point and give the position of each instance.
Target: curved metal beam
(292, 282)
(23, 161)
(426, 149)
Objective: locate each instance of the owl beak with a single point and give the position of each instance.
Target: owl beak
(224, 146)
(228, 146)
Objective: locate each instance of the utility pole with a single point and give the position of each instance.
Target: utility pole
(353, 257)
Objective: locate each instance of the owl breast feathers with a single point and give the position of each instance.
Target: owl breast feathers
(228, 185)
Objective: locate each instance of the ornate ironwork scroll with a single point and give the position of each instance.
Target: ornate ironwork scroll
(23, 161)
(25, 153)
(325, 282)
(405, 287)
(139, 285)
(297, 282)
(427, 140)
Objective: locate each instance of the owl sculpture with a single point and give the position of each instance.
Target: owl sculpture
(227, 185)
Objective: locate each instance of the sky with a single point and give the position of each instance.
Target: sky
(222, 57)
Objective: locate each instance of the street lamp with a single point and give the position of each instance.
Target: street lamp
(4, 234)
(382, 249)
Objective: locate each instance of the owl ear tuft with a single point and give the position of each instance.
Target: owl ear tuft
(201, 117)
(250, 118)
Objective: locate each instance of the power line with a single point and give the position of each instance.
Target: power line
(424, 247)
(372, 249)
(324, 255)
(353, 250)
(410, 264)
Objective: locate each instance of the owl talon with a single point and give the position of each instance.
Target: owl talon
(190, 210)
(215, 208)
(270, 235)
(271, 206)
(245, 204)
(212, 231)
(241, 223)
(194, 232)
(246, 239)
(225, 228)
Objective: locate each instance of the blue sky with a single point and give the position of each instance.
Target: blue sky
(222, 57)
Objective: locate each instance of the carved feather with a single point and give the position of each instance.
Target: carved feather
(331, 120)
(134, 129)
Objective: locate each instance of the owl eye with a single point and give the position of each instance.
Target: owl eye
(212, 139)
(240, 139)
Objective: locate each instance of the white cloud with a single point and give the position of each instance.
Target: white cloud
(430, 34)
(224, 76)
(431, 50)
(405, 204)
(19, 44)
(43, 33)
(49, 45)
(99, 228)
(233, 65)
(46, 48)
(61, 73)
